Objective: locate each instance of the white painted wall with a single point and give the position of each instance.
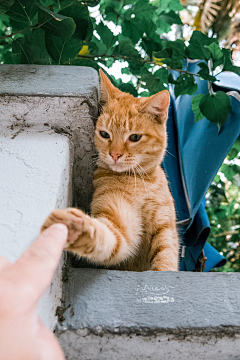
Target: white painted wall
(35, 174)
(34, 170)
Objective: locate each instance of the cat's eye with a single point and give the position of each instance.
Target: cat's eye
(134, 137)
(104, 134)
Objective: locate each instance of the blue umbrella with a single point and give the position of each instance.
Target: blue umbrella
(194, 154)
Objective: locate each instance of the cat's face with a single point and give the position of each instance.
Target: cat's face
(131, 132)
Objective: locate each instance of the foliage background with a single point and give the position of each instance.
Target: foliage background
(148, 38)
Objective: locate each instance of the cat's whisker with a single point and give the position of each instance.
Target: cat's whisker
(142, 169)
(134, 177)
(138, 167)
(171, 154)
(141, 176)
(129, 173)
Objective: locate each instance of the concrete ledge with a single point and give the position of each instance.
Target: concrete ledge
(149, 302)
(100, 305)
(53, 80)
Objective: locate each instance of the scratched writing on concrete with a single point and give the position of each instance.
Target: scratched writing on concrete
(154, 294)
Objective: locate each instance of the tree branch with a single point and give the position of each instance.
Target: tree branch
(125, 57)
(15, 33)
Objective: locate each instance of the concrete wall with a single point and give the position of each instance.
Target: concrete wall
(47, 115)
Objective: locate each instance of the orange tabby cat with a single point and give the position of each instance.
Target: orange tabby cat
(133, 222)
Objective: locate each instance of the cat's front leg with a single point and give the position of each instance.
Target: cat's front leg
(87, 237)
(163, 255)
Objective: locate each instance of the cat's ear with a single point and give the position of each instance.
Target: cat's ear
(107, 89)
(157, 105)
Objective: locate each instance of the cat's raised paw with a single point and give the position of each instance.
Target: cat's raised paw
(79, 226)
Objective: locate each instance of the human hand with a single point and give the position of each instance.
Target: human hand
(22, 333)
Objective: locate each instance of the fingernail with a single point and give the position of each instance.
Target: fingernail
(60, 226)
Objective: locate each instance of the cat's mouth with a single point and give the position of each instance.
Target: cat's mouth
(119, 167)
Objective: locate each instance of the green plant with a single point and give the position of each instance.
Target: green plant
(54, 32)
(223, 208)
(47, 32)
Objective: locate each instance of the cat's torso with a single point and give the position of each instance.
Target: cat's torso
(146, 197)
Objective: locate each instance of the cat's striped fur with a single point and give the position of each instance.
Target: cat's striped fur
(133, 223)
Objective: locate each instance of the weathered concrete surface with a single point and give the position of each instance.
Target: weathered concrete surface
(51, 80)
(47, 125)
(150, 315)
(80, 345)
(149, 302)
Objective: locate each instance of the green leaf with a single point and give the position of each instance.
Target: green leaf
(236, 180)
(148, 27)
(177, 46)
(80, 14)
(125, 71)
(128, 88)
(216, 108)
(216, 54)
(162, 74)
(144, 94)
(233, 153)
(165, 20)
(204, 72)
(85, 62)
(143, 9)
(5, 5)
(229, 170)
(198, 46)
(227, 62)
(109, 62)
(47, 3)
(163, 56)
(31, 49)
(126, 48)
(153, 84)
(151, 45)
(19, 54)
(22, 12)
(97, 47)
(55, 24)
(185, 85)
(62, 50)
(132, 29)
(166, 5)
(235, 150)
(171, 79)
(215, 51)
(111, 14)
(177, 52)
(170, 56)
(105, 34)
(195, 107)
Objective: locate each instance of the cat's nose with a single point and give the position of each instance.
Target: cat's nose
(115, 156)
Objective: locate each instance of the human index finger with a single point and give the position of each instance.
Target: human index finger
(36, 266)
